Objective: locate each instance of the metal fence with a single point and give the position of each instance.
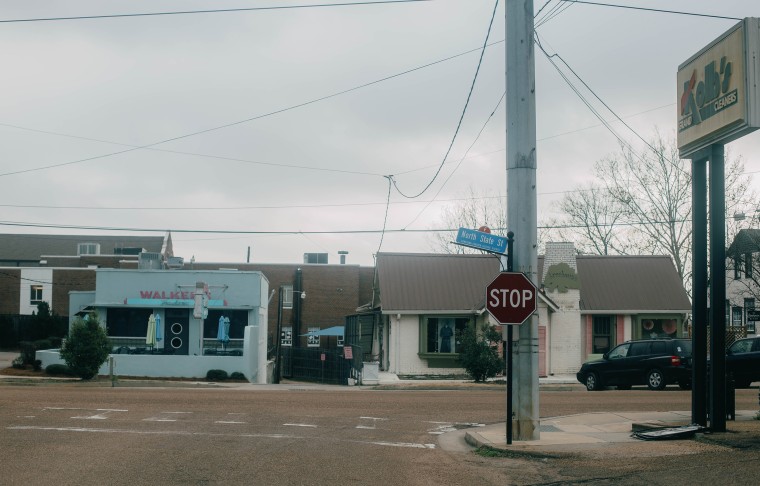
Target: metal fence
(321, 365)
(16, 328)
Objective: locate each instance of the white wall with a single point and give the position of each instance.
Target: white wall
(35, 276)
(565, 336)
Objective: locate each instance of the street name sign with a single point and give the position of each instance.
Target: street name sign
(511, 298)
(482, 241)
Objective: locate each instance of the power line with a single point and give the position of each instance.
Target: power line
(257, 117)
(299, 232)
(651, 9)
(219, 10)
(461, 117)
(477, 137)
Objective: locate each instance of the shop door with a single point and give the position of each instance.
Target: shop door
(176, 331)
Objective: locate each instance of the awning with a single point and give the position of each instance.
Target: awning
(330, 331)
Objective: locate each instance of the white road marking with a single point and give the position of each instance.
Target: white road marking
(182, 433)
(231, 421)
(300, 425)
(404, 444)
(161, 417)
(101, 415)
(374, 422)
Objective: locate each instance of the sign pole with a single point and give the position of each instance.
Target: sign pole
(508, 348)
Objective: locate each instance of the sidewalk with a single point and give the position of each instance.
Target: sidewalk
(591, 429)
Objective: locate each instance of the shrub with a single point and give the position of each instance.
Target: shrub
(28, 352)
(18, 363)
(236, 375)
(86, 348)
(479, 352)
(55, 342)
(59, 369)
(216, 375)
(37, 365)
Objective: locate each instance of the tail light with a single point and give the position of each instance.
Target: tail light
(675, 361)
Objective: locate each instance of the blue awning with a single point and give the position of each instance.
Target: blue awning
(330, 331)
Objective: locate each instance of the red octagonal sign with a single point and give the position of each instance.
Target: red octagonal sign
(511, 298)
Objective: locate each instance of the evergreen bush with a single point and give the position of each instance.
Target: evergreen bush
(236, 375)
(86, 348)
(479, 353)
(216, 375)
(59, 370)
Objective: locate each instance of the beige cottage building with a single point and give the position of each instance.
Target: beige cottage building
(586, 305)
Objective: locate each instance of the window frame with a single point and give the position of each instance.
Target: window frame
(598, 321)
(311, 340)
(36, 294)
(749, 304)
(287, 296)
(424, 330)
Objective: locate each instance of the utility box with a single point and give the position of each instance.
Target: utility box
(371, 373)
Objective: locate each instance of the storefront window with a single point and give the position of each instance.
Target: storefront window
(127, 322)
(652, 328)
(238, 321)
(441, 333)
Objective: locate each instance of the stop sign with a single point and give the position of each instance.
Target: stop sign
(511, 298)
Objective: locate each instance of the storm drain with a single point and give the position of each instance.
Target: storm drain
(548, 428)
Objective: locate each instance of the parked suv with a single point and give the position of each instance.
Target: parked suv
(652, 362)
(743, 361)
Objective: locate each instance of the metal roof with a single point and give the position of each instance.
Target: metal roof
(635, 284)
(436, 283)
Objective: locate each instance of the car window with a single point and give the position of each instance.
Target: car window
(659, 347)
(639, 349)
(619, 352)
(683, 348)
(743, 346)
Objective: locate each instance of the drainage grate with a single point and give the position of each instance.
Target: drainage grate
(548, 428)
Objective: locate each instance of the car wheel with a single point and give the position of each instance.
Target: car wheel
(592, 382)
(684, 385)
(655, 380)
(624, 387)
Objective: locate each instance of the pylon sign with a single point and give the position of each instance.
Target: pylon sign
(511, 298)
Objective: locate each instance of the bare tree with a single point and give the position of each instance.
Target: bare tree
(592, 221)
(642, 204)
(474, 211)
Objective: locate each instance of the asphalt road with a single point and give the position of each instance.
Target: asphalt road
(76, 434)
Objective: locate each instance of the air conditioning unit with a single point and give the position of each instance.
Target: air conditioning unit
(175, 262)
(149, 261)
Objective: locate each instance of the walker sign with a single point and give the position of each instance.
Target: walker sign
(718, 100)
(511, 298)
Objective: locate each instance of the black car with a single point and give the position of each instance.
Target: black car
(652, 362)
(743, 361)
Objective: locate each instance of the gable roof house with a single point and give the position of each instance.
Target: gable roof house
(586, 305)
(743, 283)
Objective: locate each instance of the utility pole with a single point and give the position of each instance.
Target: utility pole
(521, 201)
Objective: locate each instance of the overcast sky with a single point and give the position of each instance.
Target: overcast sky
(75, 91)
